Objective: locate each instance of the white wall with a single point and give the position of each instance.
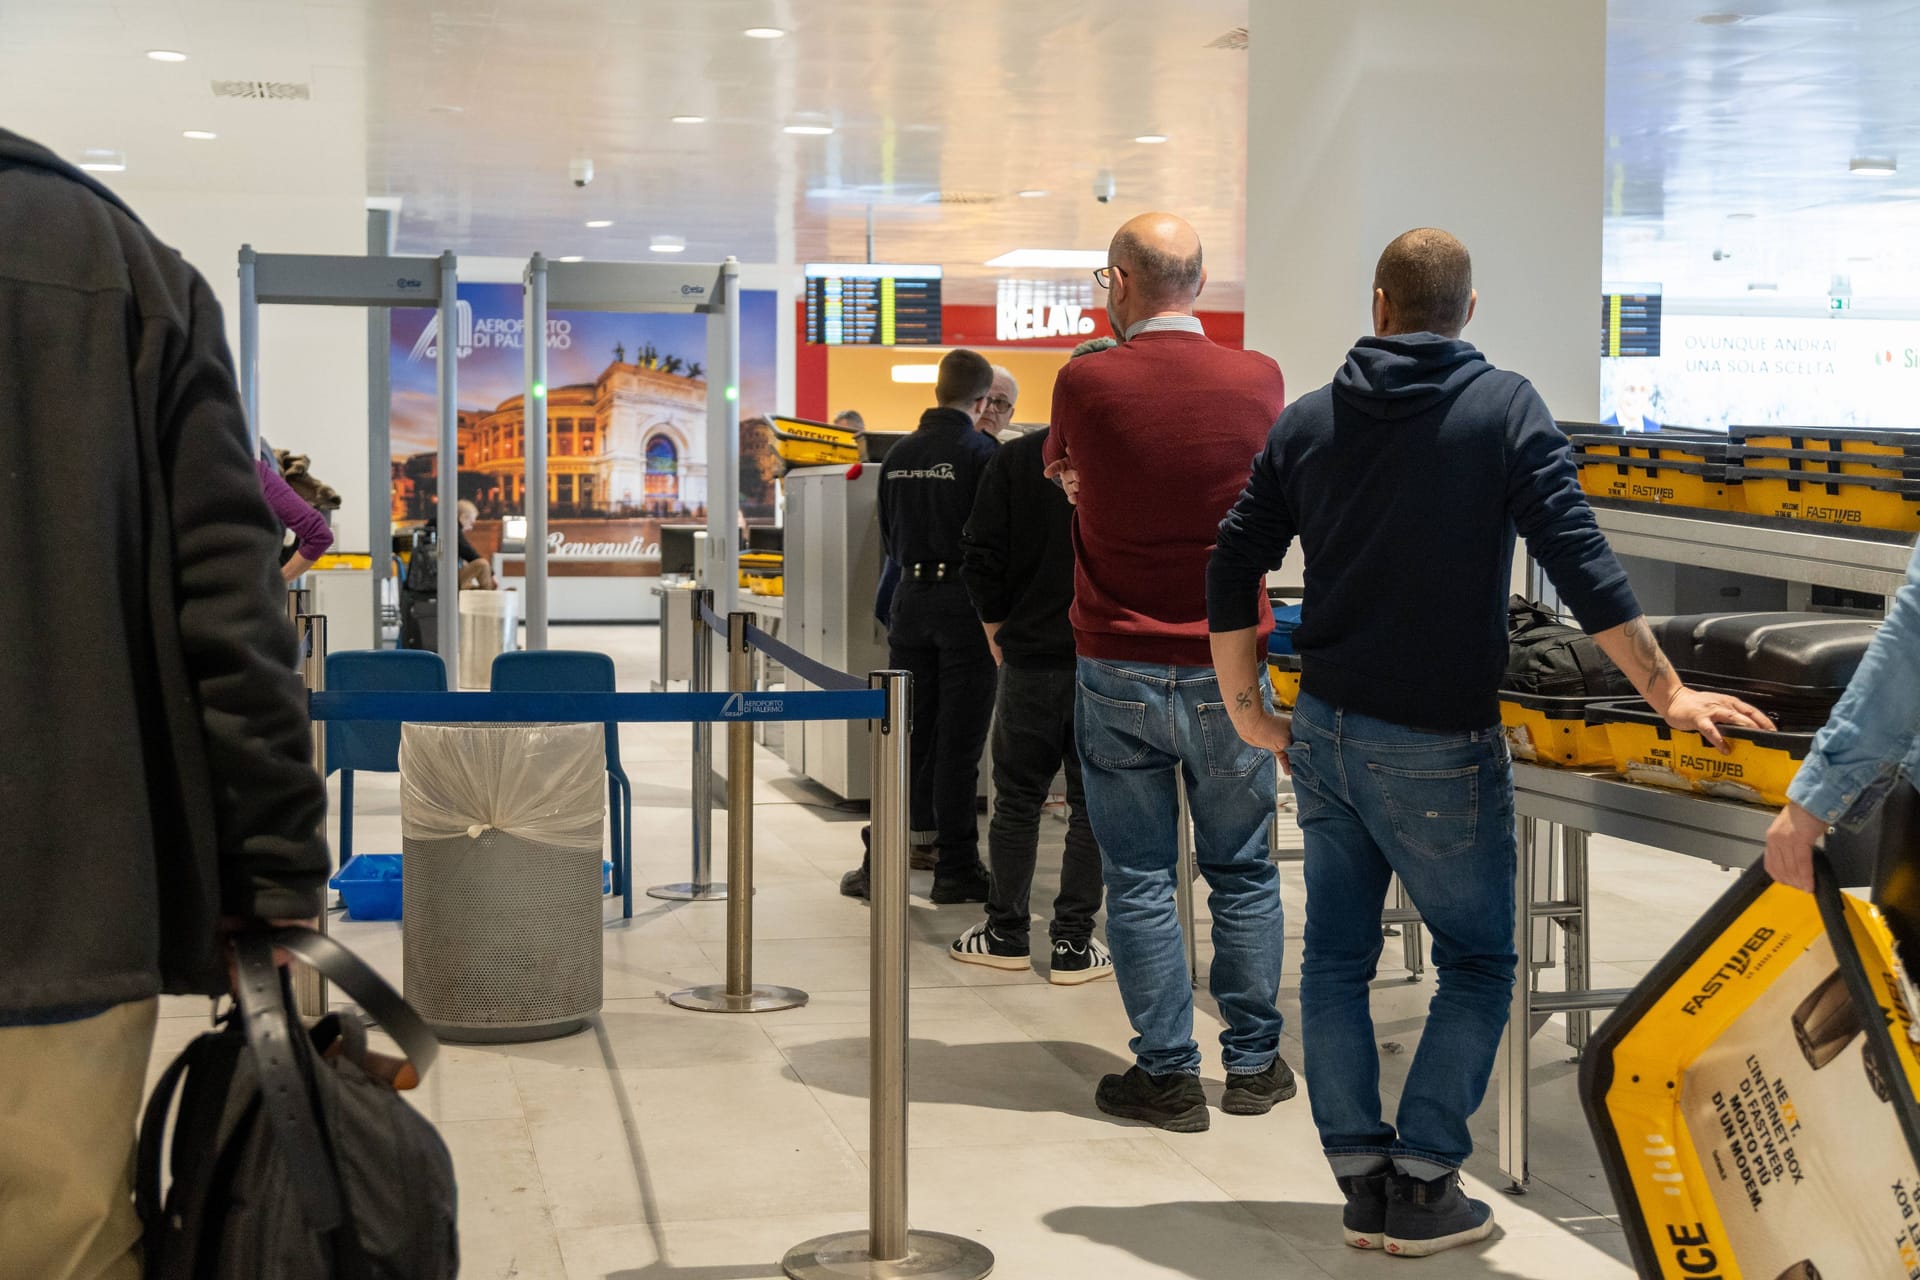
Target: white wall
(1485, 117)
(313, 360)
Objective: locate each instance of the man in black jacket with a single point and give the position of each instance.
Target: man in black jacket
(927, 485)
(157, 790)
(1019, 572)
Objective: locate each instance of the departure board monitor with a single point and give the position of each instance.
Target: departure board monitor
(877, 304)
(1630, 321)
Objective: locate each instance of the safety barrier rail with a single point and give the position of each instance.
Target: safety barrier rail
(887, 1247)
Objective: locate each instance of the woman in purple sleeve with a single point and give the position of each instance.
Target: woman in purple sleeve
(293, 511)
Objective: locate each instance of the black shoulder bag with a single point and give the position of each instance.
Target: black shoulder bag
(293, 1155)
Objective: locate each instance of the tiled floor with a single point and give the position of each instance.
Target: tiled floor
(669, 1145)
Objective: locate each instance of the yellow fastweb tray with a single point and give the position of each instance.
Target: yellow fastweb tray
(1284, 671)
(1647, 749)
(1868, 502)
(1753, 1098)
(1553, 731)
(1659, 482)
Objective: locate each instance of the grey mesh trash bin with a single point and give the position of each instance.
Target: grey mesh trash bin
(502, 829)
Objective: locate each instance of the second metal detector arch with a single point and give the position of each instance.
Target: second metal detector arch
(324, 280)
(710, 289)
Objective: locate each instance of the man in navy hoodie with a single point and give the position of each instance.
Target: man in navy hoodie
(1406, 481)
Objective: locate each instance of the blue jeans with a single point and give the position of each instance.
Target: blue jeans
(1377, 799)
(1140, 727)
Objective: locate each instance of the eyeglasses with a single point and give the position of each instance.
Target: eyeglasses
(1000, 404)
(1103, 276)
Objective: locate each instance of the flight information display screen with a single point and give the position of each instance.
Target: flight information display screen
(873, 304)
(1630, 324)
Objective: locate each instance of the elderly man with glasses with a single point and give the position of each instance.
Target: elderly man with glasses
(1000, 402)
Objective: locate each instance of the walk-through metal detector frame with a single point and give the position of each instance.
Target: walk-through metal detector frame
(710, 289)
(375, 283)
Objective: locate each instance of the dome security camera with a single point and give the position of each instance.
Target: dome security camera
(1103, 187)
(581, 171)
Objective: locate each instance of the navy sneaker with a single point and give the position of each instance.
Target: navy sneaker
(1255, 1093)
(1365, 1217)
(1426, 1217)
(1172, 1102)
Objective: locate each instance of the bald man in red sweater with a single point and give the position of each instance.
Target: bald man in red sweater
(1153, 439)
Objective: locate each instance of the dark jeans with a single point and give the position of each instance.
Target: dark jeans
(936, 636)
(1377, 800)
(1032, 739)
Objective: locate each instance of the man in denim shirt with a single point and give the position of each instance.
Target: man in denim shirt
(1870, 745)
(1407, 481)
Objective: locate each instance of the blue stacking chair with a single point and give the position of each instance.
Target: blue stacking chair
(574, 671)
(373, 745)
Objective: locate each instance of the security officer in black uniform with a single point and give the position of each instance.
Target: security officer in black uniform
(927, 484)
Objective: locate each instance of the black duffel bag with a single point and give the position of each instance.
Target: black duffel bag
(1546, 656)
(293, 1155)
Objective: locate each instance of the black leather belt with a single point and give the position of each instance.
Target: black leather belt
(932, 571)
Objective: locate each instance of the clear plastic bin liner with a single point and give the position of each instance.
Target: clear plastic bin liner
(489, 627)
(544, 783)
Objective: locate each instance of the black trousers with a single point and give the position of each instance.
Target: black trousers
(936, 636)
(1032, 738)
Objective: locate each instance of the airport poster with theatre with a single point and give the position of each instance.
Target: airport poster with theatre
(626, 419)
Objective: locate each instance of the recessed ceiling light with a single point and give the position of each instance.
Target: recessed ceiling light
(916, 374)
(598, 223)
(1862, 257)
(809, 130)
(102, 160)
(574, 257)
(1874, 166)
(1720, 19)
(199, 135)
(668, 244)
(1763, 286)
(1088, 258)
(1033, 194)
(763, 33)
(1739, 217)
(446, 109)
(166, 55)
(1151, 139)
(689, 119)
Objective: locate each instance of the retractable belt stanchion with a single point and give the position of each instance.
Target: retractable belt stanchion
(738, 994)
(309, 988)
(700, 886)
(888, 1250)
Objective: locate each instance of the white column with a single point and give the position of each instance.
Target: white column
(1485, 117)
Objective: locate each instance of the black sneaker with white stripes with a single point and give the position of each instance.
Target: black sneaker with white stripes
(1078, 962)
(981, 945)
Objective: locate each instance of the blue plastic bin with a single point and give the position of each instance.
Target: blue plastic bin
(369, 885)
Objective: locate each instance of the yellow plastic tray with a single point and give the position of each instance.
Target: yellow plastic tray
(1862, 502)
(1555, 734)
(1757, 772)
(1285, 673)
(344, 560)
(1659, 482)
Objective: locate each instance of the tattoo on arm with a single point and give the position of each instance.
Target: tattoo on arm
(1647, 652)
(1244, 699)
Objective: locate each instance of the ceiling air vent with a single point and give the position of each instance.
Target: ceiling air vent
(1234, 39)
(959, 197)
(263, 90)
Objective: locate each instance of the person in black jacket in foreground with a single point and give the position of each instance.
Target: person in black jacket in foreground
(1018, 567)
(157, 790)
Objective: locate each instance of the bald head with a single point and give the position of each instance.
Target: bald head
(1160, 252)
(1423, 284)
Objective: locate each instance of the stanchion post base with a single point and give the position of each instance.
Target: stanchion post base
(930, 1256)
(715, 892)
(717, 999)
